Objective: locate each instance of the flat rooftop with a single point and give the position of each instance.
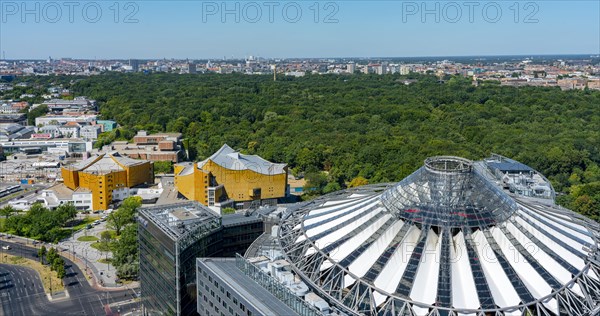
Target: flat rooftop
(177, 220)
(259, 297)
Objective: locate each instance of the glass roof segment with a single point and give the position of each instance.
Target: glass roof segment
(448, 192)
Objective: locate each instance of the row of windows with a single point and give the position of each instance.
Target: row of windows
(231, 298)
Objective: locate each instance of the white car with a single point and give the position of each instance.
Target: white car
(6, 247)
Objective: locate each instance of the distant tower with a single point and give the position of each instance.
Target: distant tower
(135, 65)
(191, 67)
(274, 67)
(351, 68)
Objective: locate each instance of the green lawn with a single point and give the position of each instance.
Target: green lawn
(105, 261)
(87, 238)
(100, 246)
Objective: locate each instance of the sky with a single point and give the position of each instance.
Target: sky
(193, 29)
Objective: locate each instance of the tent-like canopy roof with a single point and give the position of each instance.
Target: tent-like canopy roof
(446, 240)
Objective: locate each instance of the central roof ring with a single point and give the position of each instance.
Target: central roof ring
(448, 164)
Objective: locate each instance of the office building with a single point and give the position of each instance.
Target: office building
(229, 286)
(90, 131)
(172, 237)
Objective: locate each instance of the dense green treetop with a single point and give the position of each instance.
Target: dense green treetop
(369, 126)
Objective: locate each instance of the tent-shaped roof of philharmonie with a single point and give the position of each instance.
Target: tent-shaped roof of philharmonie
(456, 237)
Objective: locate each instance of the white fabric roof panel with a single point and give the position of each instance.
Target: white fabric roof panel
(347, 247)
(337, 206)
(362, 264)
(530, 277)
(391, 274)
(553, 267)
(422, 291)
(336, 210)
(570, 228)
(570, 241)
(321, 228)
(502, 290)
(464, 292)
(572, 258)
(340, 233)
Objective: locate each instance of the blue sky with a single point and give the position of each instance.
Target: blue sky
(198, 29)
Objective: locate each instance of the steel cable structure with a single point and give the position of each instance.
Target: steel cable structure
(446, 240)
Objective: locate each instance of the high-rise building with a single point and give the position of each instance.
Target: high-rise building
(191, 68)
(351, 68)
(134, 64)
(171, 237)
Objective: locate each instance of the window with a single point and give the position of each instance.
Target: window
(228, 295)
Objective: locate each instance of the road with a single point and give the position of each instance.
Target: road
(26, 195)
(21, 291)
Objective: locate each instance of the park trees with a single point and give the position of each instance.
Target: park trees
(375, 127)
(125, 253)
(125, 214)
(41, 223)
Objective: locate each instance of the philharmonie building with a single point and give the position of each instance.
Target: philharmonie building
(456, 237)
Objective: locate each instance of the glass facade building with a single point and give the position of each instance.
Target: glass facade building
(171, 237)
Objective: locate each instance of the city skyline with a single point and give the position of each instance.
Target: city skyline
(288, 29)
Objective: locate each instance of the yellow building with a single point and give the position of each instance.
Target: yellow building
(228, 178)
(108, 177)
